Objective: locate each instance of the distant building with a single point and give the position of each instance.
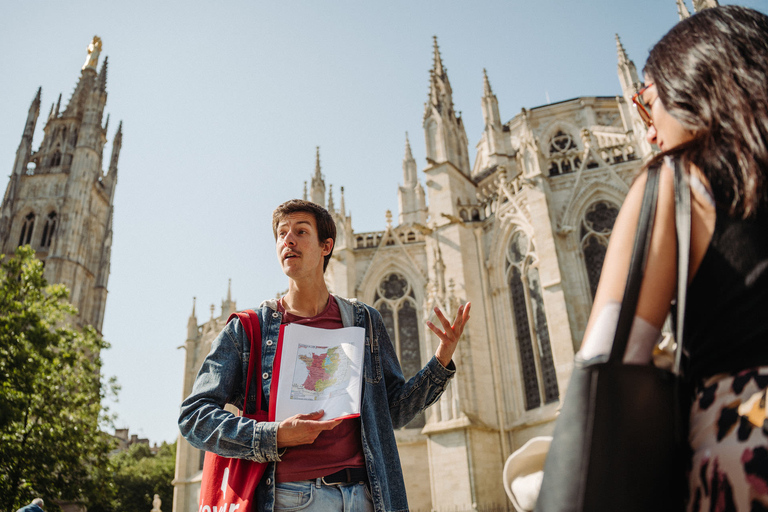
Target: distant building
(521, 233)
(59, 200)
(125, 440)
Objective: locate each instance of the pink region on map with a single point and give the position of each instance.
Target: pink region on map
(316, 372)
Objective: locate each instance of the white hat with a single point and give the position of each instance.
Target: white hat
(524, 471)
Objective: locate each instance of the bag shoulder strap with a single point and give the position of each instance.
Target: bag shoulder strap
(636, 266)
(683, 228)
(252, 325)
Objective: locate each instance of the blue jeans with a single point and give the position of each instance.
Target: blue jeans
(315, 496)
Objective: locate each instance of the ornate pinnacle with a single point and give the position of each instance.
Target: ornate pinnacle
(487, 91)
(622, 53)
(408, 152)
(437, 66)
(317, 162)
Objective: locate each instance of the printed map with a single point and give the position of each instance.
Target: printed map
(320, 372)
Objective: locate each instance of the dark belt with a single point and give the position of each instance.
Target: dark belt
(346, 476)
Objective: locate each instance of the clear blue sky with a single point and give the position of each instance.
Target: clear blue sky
(223, 104)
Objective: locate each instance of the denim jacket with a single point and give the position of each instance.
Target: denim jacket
(388, 402)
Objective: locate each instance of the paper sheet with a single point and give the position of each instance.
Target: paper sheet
(319, 369)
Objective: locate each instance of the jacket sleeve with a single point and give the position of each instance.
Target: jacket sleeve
(407, 399)
(204, 422)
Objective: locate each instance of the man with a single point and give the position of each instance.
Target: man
(35, 506)
(325, 464)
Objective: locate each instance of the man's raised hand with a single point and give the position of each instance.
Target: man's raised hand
(450, 333)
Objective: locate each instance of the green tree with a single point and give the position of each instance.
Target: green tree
(139, 475)
(51, 391)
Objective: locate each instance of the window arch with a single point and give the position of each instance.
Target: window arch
(534, 348)
(396, 302)
(56, 158)
(596, 228)
(26, 229)
(48, 231)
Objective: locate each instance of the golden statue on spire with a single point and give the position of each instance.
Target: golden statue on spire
(94, 49)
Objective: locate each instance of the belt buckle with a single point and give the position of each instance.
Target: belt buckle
(348, 480)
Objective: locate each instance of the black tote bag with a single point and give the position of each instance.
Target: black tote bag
(619, 443)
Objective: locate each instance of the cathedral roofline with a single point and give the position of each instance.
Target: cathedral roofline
(572, 99)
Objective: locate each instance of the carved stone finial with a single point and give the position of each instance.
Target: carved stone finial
(388, 216)
(156, 502)
(586, 137)
(94, 49)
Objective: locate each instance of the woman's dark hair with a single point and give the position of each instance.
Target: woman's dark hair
(711, 74)
(326, 227)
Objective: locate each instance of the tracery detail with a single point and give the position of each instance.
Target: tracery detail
(596, 228)
(396, 301)
(531, 329)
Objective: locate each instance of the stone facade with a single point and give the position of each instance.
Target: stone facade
(522, 234)
(59, 200)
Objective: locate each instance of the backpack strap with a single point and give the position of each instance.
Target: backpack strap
(252, 325)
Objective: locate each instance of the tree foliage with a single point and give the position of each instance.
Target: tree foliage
(139, 475)
(51, 392)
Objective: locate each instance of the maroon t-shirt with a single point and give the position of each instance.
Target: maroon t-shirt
(333, 449)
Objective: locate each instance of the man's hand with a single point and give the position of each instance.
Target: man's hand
(450, 337)
(302, 429)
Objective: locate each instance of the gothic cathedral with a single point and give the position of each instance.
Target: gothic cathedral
(521, 233)
(59, 200)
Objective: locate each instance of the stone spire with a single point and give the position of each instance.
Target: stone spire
(23, 155)
(444, 130)
(117, 144)
(487, 91)
(630, 82)
(682, 10)
(102, 82)
(410, 197)
(228, 305)
(192, 322)
(342, 206)
(331, 208)
(490, 105)
(32, 114)
(409, 165)
(318, 183)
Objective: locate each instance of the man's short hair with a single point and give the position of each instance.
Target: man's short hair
(38, 502)
(326, 227)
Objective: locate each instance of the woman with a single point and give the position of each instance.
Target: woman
(706, 104)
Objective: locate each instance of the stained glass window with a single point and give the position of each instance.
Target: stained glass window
(596, 228)
(532, 332)
(396, 302)
(26, 229)
(48, 230)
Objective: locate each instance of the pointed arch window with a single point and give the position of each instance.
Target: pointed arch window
(396, 302)
(48, 231)
(56, 158)
(531, 329)
(26, 229)
(596, 228)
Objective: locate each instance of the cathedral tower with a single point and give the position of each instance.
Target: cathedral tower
(59, 200)
(443, 127)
